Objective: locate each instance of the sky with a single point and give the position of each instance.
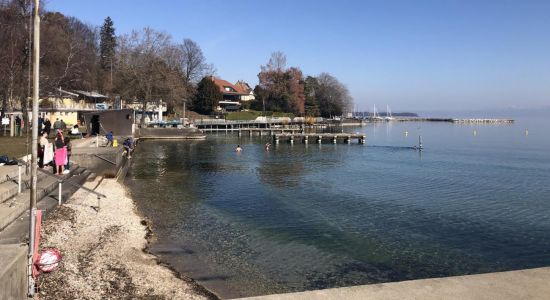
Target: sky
(413, 55)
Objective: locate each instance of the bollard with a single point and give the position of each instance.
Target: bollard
(60, 190)
(19, 178)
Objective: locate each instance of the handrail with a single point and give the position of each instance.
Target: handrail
(85, 188)
(63, 180)
(104, 159)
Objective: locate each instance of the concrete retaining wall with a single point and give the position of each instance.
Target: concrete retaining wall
(191, 133)
(13, 273)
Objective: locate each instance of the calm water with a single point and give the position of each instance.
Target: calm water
(308, 217)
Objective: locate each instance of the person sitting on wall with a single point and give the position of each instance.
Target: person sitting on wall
(75, 131)
(128, 147)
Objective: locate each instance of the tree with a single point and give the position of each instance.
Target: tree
(311, 85)
(107, 46)
(280, 89)
(68, 54)
(207, 97)
(14, 54)
(332, 96)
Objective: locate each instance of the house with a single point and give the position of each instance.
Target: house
(233, 94)
(248, 93)
(70, 105)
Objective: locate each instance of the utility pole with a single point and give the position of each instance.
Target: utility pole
(34, 145)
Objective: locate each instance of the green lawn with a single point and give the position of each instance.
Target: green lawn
(252, 115)
(14, 147)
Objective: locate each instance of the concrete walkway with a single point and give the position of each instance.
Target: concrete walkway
(513, 285)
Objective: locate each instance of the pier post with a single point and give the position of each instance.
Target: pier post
(276, 138)
(348, 139)
(249, 132)
(260, 131)
(334, 140)
(320, 139)
(240, 133)
(306, 139)
(291, 139)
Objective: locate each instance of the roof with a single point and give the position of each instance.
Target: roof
(91, 94)
(222, 84)
(243, 87)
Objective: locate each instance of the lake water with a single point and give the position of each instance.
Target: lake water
(303, 217)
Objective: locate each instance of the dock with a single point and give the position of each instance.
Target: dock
(319, 137)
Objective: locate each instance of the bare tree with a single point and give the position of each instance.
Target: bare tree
(193, 63)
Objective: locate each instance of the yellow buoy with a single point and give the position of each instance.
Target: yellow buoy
(115, 143)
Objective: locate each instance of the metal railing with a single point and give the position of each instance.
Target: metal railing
(60, 182)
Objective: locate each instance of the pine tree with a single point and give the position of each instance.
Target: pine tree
(207, 97)
(107, 44)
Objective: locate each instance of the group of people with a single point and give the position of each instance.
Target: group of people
(56, 154)
(267, 147)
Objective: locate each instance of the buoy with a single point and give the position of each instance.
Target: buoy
(48, 260)
(115, 143)
(406, 133)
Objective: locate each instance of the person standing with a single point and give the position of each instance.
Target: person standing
(47, 127)
(60, 153)
(42, 149)
(68, 147)
(56, 125)
(109, 137)
(17, 126)
(63, 125)
(40, 125)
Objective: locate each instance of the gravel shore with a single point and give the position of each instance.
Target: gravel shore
(103, 252)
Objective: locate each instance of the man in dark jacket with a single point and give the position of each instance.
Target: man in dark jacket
(47, 126)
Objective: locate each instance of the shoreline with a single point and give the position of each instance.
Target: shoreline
(106, 253)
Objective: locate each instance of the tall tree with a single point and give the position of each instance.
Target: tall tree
(107, 44)
(107, 48)
(14, 54)
(207, 97)
(280, 89)
(332, 96)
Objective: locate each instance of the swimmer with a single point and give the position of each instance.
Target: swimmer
(238, 149)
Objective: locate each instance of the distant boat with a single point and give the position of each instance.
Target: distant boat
(388, 114)
(374, 117)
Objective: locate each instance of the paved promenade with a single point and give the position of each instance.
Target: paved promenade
(513, 285)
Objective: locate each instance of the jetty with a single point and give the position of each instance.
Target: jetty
(319, 137)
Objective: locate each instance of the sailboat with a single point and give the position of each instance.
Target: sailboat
(374, 117)
(388, 114)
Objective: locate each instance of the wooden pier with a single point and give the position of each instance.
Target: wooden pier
(319, 137)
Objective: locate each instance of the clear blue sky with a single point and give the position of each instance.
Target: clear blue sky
(411, 54)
